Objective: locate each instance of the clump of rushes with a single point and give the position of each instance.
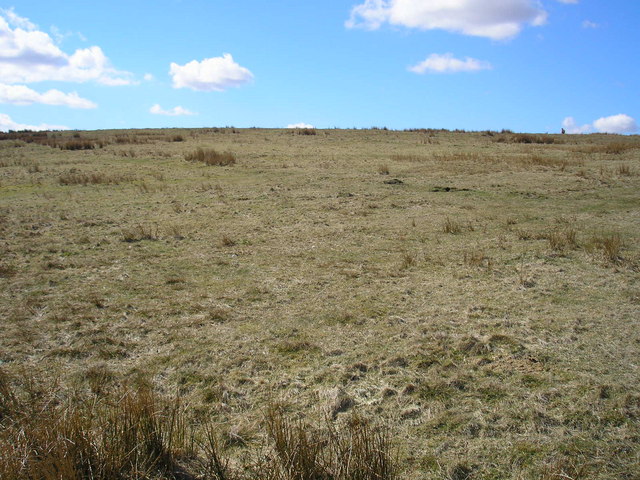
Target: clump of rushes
(211, 157)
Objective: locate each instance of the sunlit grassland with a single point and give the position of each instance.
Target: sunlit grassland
(476, 294)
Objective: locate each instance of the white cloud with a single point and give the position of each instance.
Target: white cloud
(30, 55)
(6, 124)
(495, 19)
(23, 95)
(447, 63)
(148, 77)
(570, 125)
(300, 125)
(620, 123)
(173, 112)
(590, 24)
(211, 74)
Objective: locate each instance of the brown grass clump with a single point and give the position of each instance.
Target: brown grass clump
(73, 177)
(561, 240)
(132, 434)
(524, 138)
(77, 144)
(544, 161)
(357, 451)
(615, 148)
(211, 157)
(409, 158)
(451, 226)
(609, 246)
(625, 170)
(139, 232)
(125, 437)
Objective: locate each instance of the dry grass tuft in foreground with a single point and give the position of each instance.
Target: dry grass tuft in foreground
(129, 433)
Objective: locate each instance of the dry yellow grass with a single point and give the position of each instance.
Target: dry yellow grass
(485, 307)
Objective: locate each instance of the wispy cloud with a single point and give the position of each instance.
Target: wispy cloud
(172, 112)
(590, 24)
(23, 95)
(16, 20)
(447, 63)
(211, 74)
(495, 19)
(570, 125)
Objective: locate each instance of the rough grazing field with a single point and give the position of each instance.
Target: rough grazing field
(475, 293)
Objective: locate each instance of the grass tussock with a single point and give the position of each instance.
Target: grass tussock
(77, 144)
(130, 433)
(306, 131)
(121, 437)
(358, 450)
(609, 246)
(610, 148)
(454, 227)
(139, 233)
(74, 177)
(457, 157)
(477, 258)
(211, 157)
(563, 240)
(383, 169)
(549, 162)
(624, 170)
(415, 158)
(526, 138)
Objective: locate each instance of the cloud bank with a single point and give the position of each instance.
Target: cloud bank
(172, 112)
(6, 124)
(620, 124)
(494, 19)
(210, 75)
(300, 125)
(447, 63)
(22, 95)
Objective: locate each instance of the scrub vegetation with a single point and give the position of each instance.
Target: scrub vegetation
(322, 304)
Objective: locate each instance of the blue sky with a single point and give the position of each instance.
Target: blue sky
(526, 65)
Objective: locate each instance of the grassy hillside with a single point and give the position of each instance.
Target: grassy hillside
(476, 294)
